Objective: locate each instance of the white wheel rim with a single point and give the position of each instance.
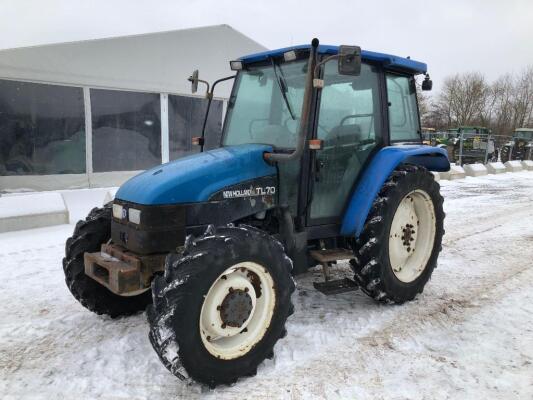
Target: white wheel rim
(250, 288)
(412, 236)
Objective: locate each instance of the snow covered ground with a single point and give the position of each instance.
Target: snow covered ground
(468, 336)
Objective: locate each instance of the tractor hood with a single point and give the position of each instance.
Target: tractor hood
(195, 178)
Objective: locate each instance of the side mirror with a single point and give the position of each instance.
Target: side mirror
(349, 60)
(427, 84)
(194, 81)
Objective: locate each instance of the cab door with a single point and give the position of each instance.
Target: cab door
(350, 124)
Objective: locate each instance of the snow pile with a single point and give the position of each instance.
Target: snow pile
(25, 211)
(31, 204)
(475, 170)
(496, 168)
(513, 166)
(527, 165)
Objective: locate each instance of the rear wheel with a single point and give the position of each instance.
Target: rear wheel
(506, 154)
(399, 246)
(221, 306)
(88, 236)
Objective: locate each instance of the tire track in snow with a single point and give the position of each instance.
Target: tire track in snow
(484, 224)
(458, 304)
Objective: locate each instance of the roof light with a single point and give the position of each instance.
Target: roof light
(235, 65)
(289, 55)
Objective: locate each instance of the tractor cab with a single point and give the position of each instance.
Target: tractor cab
(520, 147)
(350, 118)
(525, 134)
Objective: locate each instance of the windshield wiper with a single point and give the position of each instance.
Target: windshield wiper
(282, 88)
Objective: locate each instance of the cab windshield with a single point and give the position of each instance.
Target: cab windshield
(528, 135)
(266, 104)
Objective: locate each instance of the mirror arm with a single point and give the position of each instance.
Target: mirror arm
(206, 84)
(209, 96)
(325, 60)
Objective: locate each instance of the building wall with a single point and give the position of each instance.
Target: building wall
(58, 136)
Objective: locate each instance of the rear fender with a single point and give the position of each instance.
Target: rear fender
(378, 171)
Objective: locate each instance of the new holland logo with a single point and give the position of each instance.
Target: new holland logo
(252, 192)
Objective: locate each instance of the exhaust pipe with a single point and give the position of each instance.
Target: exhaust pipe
(306, 110)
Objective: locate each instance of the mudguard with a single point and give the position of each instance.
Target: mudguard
(377, 172)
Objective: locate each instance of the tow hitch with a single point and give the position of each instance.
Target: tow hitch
(122, 272)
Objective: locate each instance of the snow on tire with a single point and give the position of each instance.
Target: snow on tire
(398, 249)
(222, 305)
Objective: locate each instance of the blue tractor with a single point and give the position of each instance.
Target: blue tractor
(321, 160)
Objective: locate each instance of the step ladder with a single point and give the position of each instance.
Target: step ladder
(326, 257)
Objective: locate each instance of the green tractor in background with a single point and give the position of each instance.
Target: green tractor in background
(431, 137)
(476, 145)
(520, 147)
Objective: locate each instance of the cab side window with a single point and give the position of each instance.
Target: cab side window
(403, 111)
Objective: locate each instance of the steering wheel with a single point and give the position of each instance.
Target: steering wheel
(356, 116)
(251, 125)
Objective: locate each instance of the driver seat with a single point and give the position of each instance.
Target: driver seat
(343, 135)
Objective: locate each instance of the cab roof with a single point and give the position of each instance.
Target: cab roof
(387, 60)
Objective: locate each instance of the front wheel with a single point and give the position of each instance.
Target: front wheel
(221, 306)
(88, 237)
(400, 243)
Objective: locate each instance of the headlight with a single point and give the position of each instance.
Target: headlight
(117, 211)
(135, 215)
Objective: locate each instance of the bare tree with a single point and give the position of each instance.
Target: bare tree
(523, 98)
(464, 98)
(467, 99)
(503, 94)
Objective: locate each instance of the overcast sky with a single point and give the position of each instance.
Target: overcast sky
(491, 36)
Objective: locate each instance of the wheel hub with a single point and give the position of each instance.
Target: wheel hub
(236, 308)
(408, 237)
